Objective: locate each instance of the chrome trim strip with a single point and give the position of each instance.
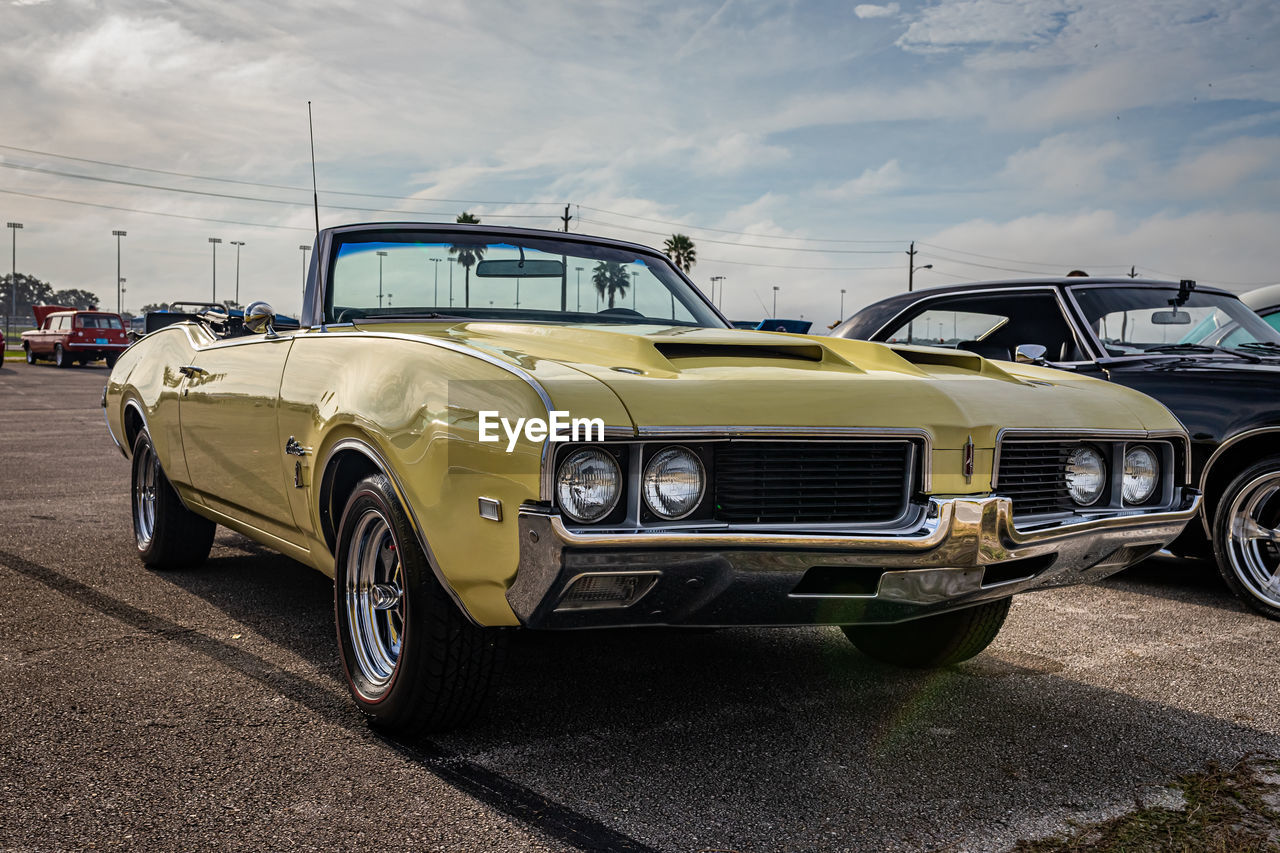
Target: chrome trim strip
(380, 461)
(1034, 433)
(1208, 465)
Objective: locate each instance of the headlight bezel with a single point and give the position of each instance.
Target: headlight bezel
(618, 495)
(652, 460)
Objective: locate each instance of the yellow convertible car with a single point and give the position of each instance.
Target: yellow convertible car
(477, 429)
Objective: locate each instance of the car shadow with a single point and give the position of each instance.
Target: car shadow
(781, 736)
(1179, 579)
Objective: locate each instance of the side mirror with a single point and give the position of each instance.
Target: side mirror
(260, 317)
(1029, 354)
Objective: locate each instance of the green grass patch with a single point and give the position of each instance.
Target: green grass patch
(1227, 809)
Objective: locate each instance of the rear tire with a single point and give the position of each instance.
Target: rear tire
(934, 641)
(31, 357)
(60, 357)
(413, 661)
(111, 361)
(1246, 536)
(168, 535)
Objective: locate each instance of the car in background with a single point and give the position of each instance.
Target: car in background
(1265, 302)
(67, 336)
(1198, 350)
(730, 478)
(795, 327)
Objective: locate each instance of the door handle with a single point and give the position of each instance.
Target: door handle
(192, 370)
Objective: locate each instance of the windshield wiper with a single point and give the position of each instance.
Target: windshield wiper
(1268, 347)
(1200, 348)
(416, 315)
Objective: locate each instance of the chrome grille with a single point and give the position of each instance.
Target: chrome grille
(814, 482)
(1034, 475)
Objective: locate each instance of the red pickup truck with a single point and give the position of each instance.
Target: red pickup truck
(66, 336)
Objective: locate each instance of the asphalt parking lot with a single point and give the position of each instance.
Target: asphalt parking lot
(203, 709)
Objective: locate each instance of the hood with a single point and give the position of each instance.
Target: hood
(688, 377)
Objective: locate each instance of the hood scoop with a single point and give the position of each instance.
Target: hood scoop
(941, 358)
(677, 350)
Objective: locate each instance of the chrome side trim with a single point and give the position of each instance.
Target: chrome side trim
(381, 463)
(1101, 434)
(1226, 445)
(761, 433)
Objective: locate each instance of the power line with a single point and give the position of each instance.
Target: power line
(748, 245)
(233, 197)
(728, 231)
(153, 212)
(1074, 265)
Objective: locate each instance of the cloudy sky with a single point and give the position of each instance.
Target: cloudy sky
(800, 144)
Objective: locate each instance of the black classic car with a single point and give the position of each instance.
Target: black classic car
(1198, 350)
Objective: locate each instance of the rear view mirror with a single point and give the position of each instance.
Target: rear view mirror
(1171, 318)
(520, 269)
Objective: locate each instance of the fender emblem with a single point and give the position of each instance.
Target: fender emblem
(968, 460)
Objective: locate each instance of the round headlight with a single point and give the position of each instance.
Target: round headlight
(1141, 474)
(588, 484)
(673, 483)
(1086, 475)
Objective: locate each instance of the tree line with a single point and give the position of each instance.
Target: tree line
(33, 291)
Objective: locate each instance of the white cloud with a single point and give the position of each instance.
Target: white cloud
(1066, 164)
(984, 22)
(876, 181)
(1221, 168)
(871, 10)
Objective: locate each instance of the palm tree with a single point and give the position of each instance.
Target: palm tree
(468, 256)
(681, 251)
(611, 280)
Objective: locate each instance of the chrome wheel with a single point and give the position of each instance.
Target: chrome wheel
(375, 602)
(1253, 538)
(146, 476)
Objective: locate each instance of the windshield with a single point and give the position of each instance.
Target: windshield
(500, 277)
(1131, 320)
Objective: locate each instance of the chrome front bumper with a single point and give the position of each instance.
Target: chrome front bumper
(966, 551)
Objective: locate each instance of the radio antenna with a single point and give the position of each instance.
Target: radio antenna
(315, 194)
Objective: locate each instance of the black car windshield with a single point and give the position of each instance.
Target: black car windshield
(412, 273)
(1132, 320)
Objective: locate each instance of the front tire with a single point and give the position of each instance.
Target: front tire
(111, 360)
(168, 535)
(60, 357)
(934, 641)
(31, 357)
(413, 661)
(1246, 536)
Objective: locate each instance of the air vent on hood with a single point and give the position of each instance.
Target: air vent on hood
(802, 352)
(956, 358)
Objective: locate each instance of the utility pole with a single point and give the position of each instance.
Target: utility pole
(215, 241)
(565, 219)
(911, 266)
(842, 305)
(775, 301)
(633, 289)
(380, 255)
(714, 279)
(1133, 272)
(564, 270)
(119, 298)
(237, 244)
(15, 227)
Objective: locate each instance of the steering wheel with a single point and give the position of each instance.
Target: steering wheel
(621, 312)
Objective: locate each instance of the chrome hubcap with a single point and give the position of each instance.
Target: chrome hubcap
(146, 473)
(1253, 542)
(375, 603)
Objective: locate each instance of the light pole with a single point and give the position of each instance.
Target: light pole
(435, 295)
(775, 301)
(380, 255)
(215, 241)
(13, 283)
(579, 269)
(842, 304)
(305, 248)
(714, 279)
(633, 289)
(119, 297)
(237, 244)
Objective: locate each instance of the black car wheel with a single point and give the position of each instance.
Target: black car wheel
(60, 356)
(933, 641)
(413, 661)
(1246, 536)
(111, 360)
(168, 535)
